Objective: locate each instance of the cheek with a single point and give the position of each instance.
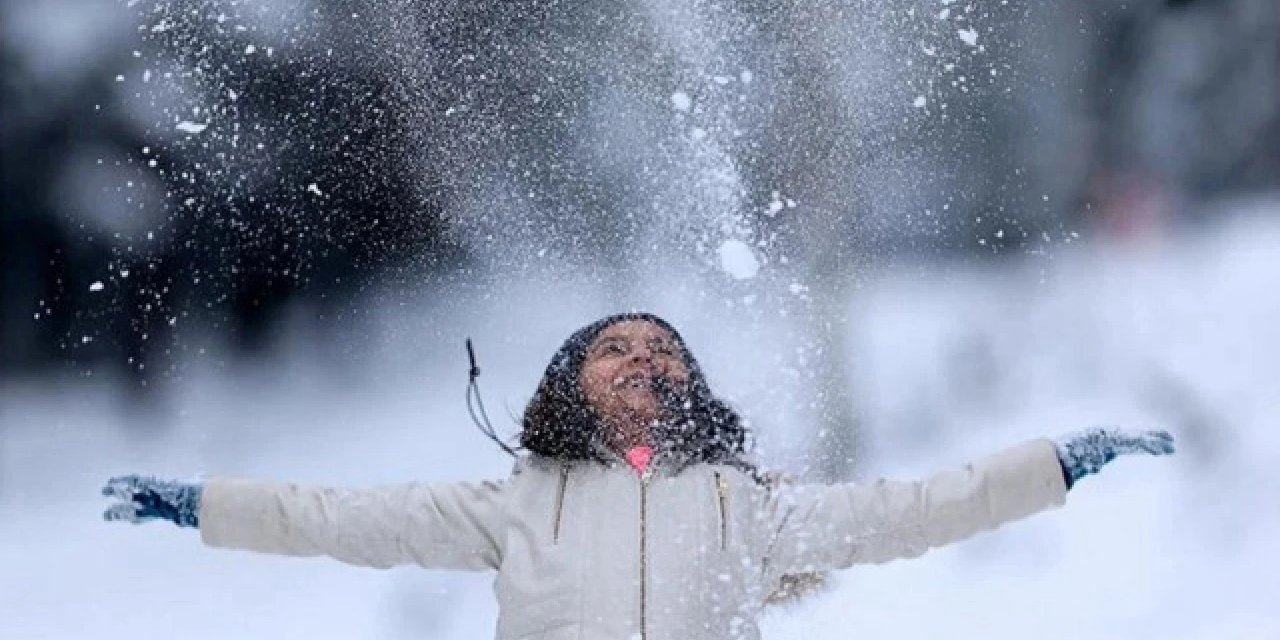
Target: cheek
(595, 383)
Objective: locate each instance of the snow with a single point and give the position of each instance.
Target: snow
(918, 102)
(968, 36)
(777, 203)
(681, 101)
(186, 126)
(96, 286)
(738, 260)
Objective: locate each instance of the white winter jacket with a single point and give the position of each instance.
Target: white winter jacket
(594, 551)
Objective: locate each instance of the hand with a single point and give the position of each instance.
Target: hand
(146, 498)
(1084, 452)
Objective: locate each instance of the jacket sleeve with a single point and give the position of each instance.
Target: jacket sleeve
(824, 527)
(438, 526)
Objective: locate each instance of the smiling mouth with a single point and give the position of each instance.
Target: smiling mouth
(636, 381)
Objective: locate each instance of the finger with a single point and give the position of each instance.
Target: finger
(1132, 446)
(1156, 439)
(1125, 443)
(1151, 442)
(1159, 445)
(123, 487)
(121, 511)
(1099, 432)
(1147, 447)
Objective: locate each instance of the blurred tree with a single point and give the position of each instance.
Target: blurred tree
(287, 152)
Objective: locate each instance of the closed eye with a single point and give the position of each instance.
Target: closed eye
(611, 346)
(663, 347)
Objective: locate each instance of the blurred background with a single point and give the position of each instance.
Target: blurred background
(245, 237)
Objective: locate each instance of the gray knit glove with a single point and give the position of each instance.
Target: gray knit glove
(146, 498)
(1084, 452)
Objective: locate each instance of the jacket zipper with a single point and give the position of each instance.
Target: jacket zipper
(722, 493)
(644, 552)
(564, 481)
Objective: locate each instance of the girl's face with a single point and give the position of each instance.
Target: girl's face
(621, 365)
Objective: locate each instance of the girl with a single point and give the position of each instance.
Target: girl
(635, 512)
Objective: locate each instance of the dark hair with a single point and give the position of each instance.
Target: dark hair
(560, 423)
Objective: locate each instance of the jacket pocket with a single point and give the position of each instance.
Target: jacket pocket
(722, 507)
(558, 516)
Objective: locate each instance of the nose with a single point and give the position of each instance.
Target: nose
(642, 353)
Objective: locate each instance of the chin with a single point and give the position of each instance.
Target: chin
(643, 412)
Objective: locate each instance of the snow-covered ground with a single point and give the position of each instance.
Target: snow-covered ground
(948, 362)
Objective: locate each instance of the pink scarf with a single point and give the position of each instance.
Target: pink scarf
(639, 456)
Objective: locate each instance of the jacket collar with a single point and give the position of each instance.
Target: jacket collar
(665, 460)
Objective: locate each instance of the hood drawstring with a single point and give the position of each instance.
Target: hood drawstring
(473, 390)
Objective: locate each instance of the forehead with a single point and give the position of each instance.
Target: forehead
(633, 330)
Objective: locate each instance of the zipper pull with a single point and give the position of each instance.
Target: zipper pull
(722, 492)
(559, 515)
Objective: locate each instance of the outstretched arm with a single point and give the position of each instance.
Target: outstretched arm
(441, 526)
(822, 527)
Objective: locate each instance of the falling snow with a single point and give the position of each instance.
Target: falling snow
(737, 259)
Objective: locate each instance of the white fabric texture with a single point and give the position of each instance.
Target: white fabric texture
(591, 551)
